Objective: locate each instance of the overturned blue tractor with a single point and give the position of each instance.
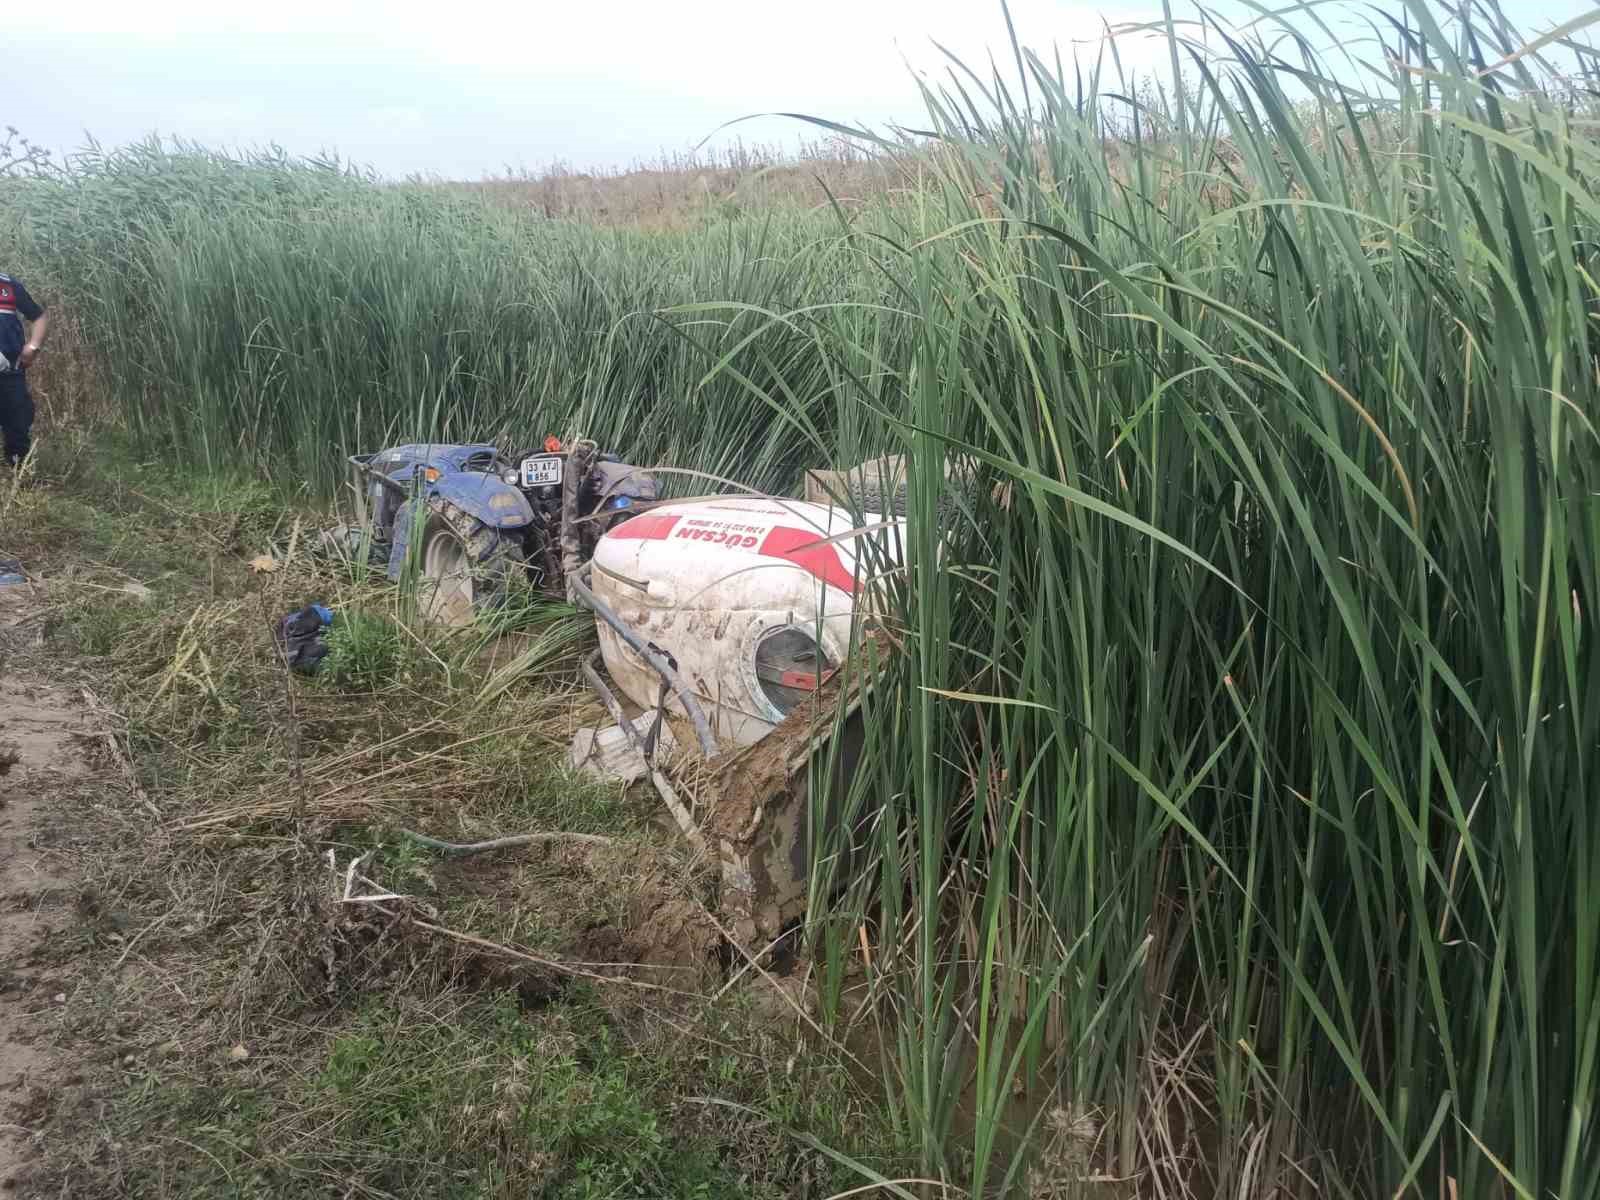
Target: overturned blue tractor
(469, 519)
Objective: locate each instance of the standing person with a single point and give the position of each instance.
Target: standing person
(19, 346)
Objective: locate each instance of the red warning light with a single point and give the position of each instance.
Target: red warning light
(552, 444)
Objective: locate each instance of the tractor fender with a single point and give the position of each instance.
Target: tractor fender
(482, 498)
(485, 498)
(401, 462)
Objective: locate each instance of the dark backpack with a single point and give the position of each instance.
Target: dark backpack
(300, 638)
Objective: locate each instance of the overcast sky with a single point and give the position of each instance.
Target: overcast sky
(464, 88)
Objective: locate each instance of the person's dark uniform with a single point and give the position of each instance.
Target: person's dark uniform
(16, 406)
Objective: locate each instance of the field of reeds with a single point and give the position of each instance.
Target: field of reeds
(1230, 775)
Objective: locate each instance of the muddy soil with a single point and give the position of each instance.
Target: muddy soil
(43, 749)
(42, 731)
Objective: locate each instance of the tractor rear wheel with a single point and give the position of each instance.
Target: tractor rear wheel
(465, 566)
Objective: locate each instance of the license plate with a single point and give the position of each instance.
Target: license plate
(541, 471)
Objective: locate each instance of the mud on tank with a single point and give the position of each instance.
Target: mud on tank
(751, 596)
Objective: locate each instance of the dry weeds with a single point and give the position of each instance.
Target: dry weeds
(680, 190)
(226, 987)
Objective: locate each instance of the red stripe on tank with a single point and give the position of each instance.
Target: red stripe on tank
(804, 549)
(646, 526)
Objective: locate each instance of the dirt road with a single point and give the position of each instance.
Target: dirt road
(41, 749)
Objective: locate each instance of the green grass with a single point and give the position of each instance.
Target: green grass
(536, 789)
(477, 1098)
(570, 1116)
(368, 651)
(1231, 767)
(97, 627)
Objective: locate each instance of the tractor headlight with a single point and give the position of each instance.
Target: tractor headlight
(511, 477)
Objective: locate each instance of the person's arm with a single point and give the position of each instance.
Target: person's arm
(38, 327)
(37, 332)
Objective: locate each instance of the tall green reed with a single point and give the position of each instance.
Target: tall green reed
(1232, 778)
(286, 313)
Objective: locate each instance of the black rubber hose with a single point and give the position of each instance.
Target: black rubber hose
(609, 699)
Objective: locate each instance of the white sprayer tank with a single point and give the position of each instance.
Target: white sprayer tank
(743, 592)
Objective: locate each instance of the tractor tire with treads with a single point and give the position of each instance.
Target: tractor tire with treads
(465, 565)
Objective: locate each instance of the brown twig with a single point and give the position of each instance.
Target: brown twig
(503, 843)
(297, 777)
(442, 752)
(118, 756)
(383, 897)
(548, 963)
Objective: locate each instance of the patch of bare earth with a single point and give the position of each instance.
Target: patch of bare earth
(42, 727)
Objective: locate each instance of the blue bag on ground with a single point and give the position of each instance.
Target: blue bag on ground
(300, 637)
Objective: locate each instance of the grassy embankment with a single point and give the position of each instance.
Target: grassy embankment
(1232, 778)
(230, 1027)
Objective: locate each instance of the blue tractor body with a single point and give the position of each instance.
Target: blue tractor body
(505, 512)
